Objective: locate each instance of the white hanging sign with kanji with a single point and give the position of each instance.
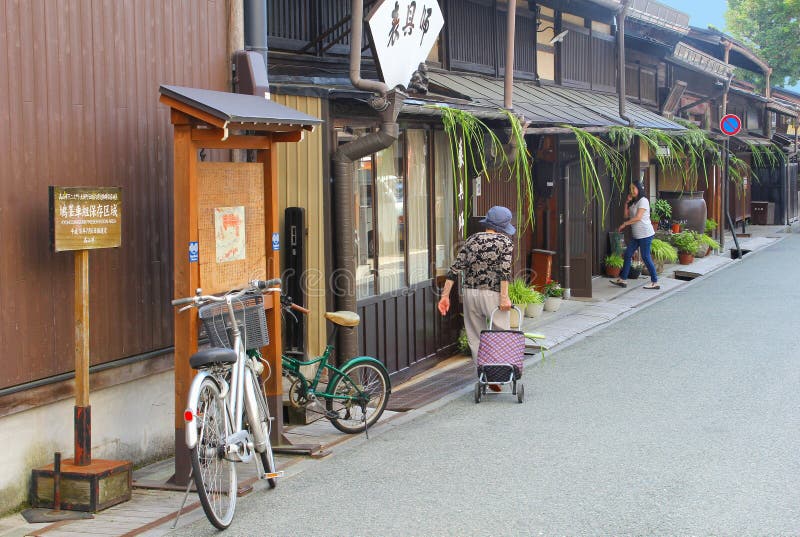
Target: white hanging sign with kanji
(403, 34)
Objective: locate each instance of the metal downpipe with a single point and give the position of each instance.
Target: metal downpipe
(255, 27)
(344, 284)
(621, 89)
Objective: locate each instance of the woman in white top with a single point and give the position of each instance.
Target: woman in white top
(638, 205)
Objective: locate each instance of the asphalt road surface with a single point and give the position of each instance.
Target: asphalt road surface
(681, 419)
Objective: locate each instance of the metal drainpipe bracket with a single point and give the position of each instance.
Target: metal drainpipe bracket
(394, 99)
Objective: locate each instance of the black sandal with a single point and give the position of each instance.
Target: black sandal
(619, 283)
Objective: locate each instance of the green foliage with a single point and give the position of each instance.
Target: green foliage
(766, 156)
(519, 292)
(770, 29)
(686, 242)
(710, 226)
(463, 342)
(663, 251)
(553, 289)
(614, 261)
(470, 141)
(590, 148)
(708, 241)
(519, 168)
(661, 210)
(468, 137)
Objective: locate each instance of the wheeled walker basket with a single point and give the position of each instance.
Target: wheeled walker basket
(500, 357)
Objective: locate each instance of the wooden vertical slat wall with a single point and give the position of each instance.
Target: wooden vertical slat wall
(301, 184)
(79, 105)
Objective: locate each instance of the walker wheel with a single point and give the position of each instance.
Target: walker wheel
(520, 393)
(477, 392)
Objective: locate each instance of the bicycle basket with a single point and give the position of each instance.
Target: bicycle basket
(250, 316)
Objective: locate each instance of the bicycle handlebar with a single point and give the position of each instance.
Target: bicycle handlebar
(299, 308)
(260, 285)
(264, 284)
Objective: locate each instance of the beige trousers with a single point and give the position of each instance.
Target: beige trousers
(478, 307)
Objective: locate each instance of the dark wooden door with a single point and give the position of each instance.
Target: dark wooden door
(581, 238)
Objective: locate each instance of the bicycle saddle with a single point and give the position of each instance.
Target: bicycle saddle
(343, 318)
(211, 356)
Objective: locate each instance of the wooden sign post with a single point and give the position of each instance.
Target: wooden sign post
(84, 219)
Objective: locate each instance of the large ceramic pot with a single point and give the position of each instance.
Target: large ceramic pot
(689, 207)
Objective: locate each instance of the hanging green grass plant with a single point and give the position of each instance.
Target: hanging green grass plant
(766, 156)
(519, 168)
(468, 137)
(470, 141)
(590, 148)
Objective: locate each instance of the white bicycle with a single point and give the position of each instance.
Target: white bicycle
(227, 417)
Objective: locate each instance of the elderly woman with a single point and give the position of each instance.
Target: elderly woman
(642, 230)
(485, 258)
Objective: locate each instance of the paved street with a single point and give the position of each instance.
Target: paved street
(678, 419)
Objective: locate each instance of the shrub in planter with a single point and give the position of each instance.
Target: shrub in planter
(662, 252)
(554, 294)
(520, 293)
(636, 270)
(613, 263)
(661, 212)
(710, 226)
(686, 242)
(708, 243)
(536, 306)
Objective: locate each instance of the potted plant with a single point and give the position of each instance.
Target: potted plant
(708, 243)
(662, 252)
(676, 227)
(613, 264)
(554, 294)
(660, 213)
(686, 242)
(520, 295)
(710, 226)
(637, 267)
(536, 306)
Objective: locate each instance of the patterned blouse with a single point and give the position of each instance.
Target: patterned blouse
(485, 260)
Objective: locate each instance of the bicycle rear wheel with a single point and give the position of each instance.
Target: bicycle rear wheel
(362, 379)
(214, 475)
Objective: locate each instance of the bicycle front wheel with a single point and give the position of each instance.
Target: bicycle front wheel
(359, 397)
(214, 475)
(262, 421)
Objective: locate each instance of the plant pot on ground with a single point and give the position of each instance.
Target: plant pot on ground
(662, 252)
(636, 270)
(708, 244)
(660, 213)
(554, 293)
(536, 305)
(613, 264)
(686, 242)
(521, 294)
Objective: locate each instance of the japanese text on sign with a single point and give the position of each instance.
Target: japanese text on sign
(84, 218)
(403, 33)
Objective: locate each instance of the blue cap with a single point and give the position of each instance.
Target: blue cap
(498, 218)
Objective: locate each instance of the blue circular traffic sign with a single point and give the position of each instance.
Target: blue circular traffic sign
(730, 124)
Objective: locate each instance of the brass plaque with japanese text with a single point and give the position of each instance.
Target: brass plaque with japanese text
(85, 218)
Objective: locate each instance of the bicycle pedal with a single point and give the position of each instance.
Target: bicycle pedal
(331, 415)
(272, 475)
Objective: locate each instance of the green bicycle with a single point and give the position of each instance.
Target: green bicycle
(356, 393)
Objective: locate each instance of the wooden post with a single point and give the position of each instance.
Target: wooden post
(187, 279)
(82, 414)
(274, 386)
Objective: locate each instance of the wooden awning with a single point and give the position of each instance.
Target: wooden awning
(235, 110)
